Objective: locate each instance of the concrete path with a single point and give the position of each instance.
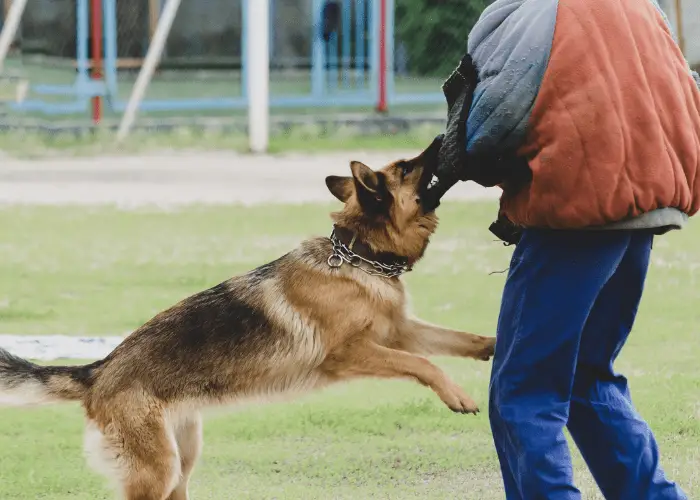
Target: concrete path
(172, 179)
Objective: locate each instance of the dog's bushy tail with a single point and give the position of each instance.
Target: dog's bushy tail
(22, 383)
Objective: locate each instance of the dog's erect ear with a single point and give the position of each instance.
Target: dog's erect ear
(340, 187)
(370, 186)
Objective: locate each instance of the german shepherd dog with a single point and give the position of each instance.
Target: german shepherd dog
(332, 310)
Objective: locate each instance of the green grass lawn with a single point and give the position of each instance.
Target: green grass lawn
(102, 271)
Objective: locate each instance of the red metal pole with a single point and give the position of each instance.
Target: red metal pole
(96, 8)
(382, 98)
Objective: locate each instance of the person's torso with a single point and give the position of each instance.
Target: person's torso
(607, 114)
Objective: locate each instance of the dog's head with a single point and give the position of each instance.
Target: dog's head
(390, 209)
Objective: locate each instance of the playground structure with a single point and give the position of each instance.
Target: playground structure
(350, 62)
(333, 55)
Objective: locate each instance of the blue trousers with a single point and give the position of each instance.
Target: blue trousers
(568, 306)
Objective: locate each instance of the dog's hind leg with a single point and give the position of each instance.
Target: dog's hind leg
(103, 454)
(188, 434)
(137, 453)
(148, 452)
(368, 359)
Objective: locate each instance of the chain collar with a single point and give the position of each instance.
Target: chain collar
(344, 254)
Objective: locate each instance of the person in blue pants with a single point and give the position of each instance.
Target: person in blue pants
(587, 115)
(568, 307)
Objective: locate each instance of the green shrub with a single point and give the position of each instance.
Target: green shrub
(434, 33)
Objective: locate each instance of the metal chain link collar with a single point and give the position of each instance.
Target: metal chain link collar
(342, 254)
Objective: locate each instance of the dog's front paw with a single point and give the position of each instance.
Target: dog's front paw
(457, 400)
(487, 349)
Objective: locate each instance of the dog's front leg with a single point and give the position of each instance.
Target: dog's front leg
(368, 359)
(419, 337)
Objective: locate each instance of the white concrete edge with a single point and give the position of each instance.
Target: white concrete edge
(53, 347)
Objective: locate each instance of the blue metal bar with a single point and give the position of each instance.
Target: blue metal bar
(80, 89)
(270, 32)
(244, 48)
(164, 105)
(419, 98)
(317, 52)
(341, 100)
(146, 37)
(373, 50)
(82, 27)
(390, 48)
(360, 25)
(332, 59)
(110, 61)
(216, 103)
(345, 44)
(61, 108)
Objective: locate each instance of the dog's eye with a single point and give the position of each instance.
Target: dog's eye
(406, 168)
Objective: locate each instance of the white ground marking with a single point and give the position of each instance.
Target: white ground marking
(51, 347)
